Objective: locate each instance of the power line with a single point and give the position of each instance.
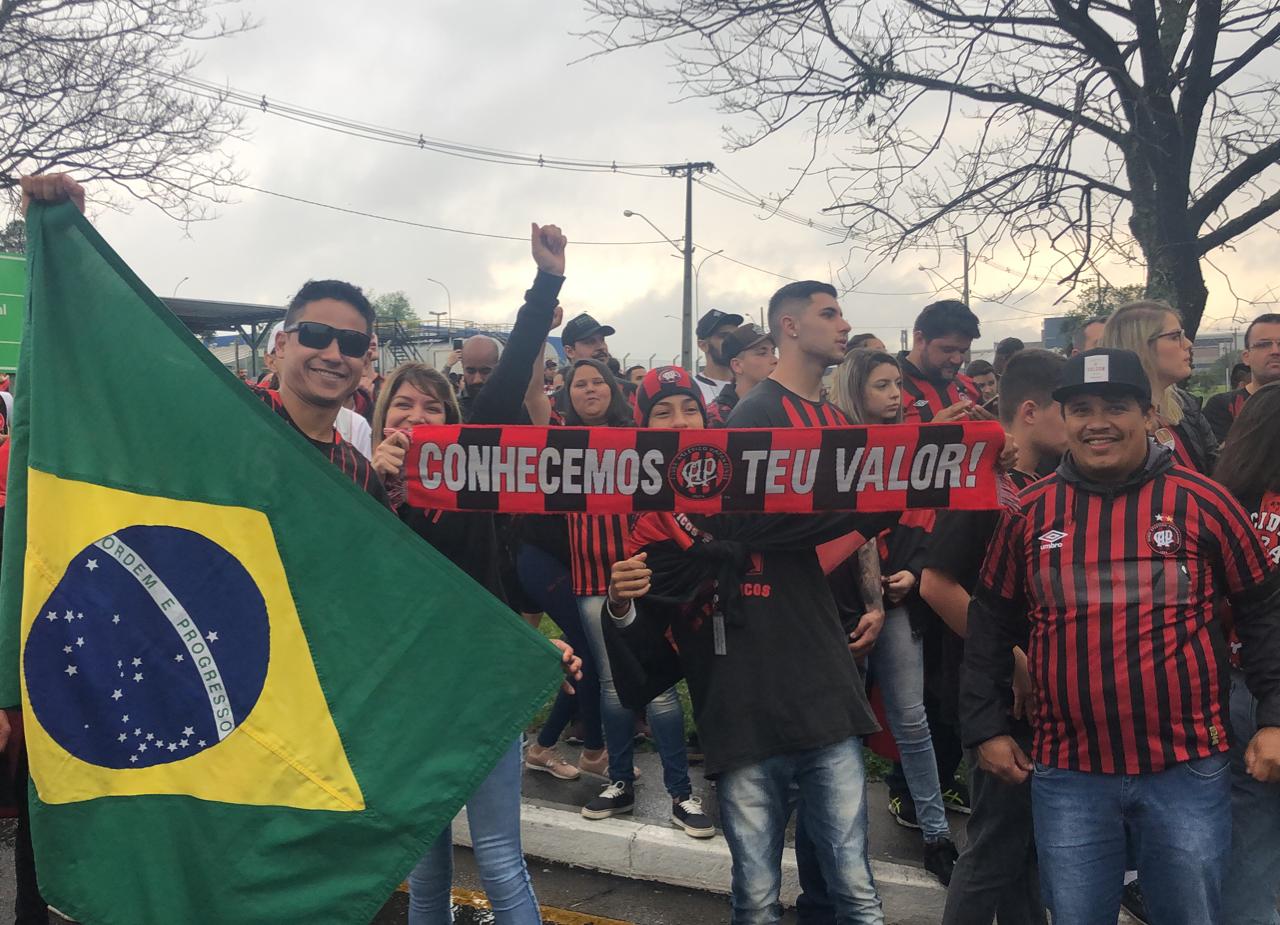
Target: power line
(404, 221)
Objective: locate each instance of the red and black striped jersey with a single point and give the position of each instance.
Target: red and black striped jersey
(1265, 514)
(1117, 589)
(596, 541)
(770, 404)
(925, 397)
(342, 454)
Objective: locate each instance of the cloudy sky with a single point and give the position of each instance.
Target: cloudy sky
(501, 74)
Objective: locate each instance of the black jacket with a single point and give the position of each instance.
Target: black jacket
(469, 538)
(786, 680)
(1197, 433)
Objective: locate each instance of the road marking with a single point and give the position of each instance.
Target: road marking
(550, 915)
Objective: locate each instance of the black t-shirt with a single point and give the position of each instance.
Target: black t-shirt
(956, 548)
(787, 681)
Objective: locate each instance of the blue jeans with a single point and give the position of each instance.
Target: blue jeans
(897, 665)
(1253, 879)
(1174, 824)
(666, 716)
(547, 583)
(493, 814)
(756, 803)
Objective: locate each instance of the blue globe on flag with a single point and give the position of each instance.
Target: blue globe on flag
(152, 648)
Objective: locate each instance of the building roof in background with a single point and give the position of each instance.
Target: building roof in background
(202, 316)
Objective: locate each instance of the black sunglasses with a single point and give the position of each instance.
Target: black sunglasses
(317, 336)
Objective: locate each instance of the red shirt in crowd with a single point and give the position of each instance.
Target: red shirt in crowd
(925, 397)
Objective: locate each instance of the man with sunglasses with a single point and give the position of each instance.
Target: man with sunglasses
(320, 355)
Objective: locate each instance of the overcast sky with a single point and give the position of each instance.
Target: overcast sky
(500, 74)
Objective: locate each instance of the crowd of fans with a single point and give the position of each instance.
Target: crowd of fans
(1101, 655)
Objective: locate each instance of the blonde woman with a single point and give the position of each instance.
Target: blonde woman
(1153, 330)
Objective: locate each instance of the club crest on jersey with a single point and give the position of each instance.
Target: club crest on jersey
(1052, 540)
(1164, 537)
(701, 471)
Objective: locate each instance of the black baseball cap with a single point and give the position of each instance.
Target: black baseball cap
(743, 339)
(580, 327)
(1104, 371)
(713, 319)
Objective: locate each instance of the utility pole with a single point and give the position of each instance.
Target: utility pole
(686, 324)
(965, 243)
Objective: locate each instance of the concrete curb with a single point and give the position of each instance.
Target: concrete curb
(626, 847)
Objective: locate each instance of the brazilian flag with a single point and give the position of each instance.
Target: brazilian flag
(250, 694)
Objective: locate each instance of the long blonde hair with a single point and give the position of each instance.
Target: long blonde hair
(849, 390)
(423, 378)
(1132, 327)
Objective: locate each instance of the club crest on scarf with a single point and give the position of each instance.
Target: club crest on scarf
(700, 471)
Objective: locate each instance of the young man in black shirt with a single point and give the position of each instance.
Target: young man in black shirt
(997, 871)
(809, 730)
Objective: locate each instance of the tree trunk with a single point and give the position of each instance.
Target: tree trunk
(1174, 275)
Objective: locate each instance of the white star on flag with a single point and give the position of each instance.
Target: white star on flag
(178, 657)
(66, 650)
(117, 694)
(150, 736)
(137, 677)
(212, 637)
(172, 747)
(122, 736)
(71, 669)
(91, 564)
(142, 746)
(125, 718)
(188, 731)
(201, 743)
(183, 743)
(137, 662)
(137, 732)
(80, 640)
(159, 744)
(116, 618)
(51, 615)
(69, 616)
(79, 616)
(133, 758)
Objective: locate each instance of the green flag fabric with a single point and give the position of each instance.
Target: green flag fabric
(250, 694)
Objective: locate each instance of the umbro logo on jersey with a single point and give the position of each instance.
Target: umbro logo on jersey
(1052, 540)
(921, 402)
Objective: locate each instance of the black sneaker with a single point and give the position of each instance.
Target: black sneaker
(688, 815)
(956, 799)
(1133, 902)
(940, 859)
(903, 812)
(619, 797)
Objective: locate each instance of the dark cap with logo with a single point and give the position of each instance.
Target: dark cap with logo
(1104, 371)
(664, 382)
(580, 327)
(743, 339)
(713, 319)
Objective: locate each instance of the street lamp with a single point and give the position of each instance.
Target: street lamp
(686, 327)
(180, 282)
(438, 316)
(447, 297)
